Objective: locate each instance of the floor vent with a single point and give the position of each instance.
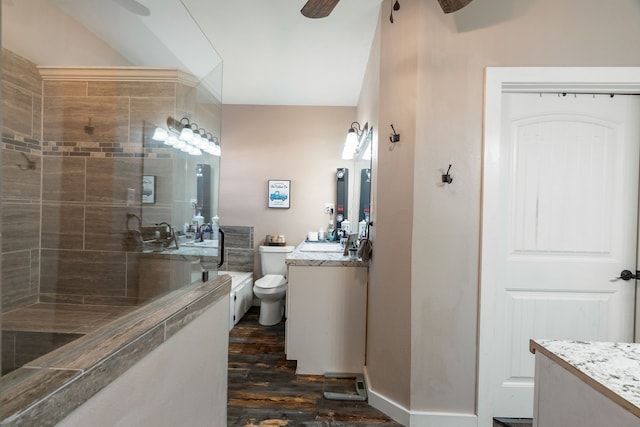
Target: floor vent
(359, 392)
(512, 422)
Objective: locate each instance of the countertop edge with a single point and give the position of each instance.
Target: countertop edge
(66, 384)
(535, 346)
(321, 259)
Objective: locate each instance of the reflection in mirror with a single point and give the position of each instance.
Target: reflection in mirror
(203, 190)
(365, 195)
(191, 168)
(362, 180)
(342, 197)
(357, 147)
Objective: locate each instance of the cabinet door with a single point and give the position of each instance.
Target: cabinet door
(326, 324)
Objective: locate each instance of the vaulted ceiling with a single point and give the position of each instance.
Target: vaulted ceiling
(271, 53)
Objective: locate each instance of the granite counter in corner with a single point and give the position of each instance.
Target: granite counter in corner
(328, 254)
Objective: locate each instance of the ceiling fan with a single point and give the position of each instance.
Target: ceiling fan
(322, 8)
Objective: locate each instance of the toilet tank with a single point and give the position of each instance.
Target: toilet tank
(272, 259)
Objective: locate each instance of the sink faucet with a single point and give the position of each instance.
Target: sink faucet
(172, 235)
(204, 228)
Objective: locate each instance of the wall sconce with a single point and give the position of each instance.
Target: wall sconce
(354, 141)
(187, 137)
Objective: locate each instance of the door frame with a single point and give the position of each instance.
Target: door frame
(499, 80)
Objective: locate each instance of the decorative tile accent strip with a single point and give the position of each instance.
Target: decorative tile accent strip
(20, 143)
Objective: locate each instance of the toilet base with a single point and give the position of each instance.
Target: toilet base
(271, 312)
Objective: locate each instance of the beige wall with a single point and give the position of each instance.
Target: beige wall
(389, 317)
(442, 126)
(301, 144)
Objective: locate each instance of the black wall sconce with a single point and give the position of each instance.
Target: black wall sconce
(395, 137)
(356, 139)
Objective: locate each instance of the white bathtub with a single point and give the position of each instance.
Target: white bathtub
(241, 297)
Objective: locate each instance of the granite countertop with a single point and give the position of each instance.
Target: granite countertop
(611, 368)
(189, 251)
(303, 255)
(47, 389)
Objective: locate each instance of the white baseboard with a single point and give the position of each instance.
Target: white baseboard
(416, 418)
(390, 408)
(436, 419)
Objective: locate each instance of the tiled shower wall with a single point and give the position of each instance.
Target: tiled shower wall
(238, 254)
(94, 144)
(21, 168)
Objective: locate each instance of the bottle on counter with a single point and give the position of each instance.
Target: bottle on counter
(346, 226)
(215, 226)
(362, 229)
(206, 234)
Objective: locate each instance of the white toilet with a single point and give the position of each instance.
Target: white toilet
(272, 287)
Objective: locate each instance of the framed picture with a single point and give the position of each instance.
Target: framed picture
(279, 193)
(148, 189)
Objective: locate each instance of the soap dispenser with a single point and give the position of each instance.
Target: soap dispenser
(215, 227)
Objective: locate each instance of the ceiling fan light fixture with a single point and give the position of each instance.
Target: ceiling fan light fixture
(318, 8)
(449, 6)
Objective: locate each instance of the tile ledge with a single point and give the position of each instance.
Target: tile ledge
(26, 393)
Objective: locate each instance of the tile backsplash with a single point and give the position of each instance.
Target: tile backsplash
(239, 252)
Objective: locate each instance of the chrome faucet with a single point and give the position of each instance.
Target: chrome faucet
(201, 231)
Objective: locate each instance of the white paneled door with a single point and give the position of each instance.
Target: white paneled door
(566, 218)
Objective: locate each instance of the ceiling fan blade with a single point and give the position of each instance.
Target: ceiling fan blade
(449, 6)
(318, 8)
(134, 7)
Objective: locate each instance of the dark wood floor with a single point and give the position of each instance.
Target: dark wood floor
(265, 391)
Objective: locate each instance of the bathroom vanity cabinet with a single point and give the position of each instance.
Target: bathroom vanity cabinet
(326, 313)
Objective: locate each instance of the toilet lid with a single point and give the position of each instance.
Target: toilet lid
(271, 281)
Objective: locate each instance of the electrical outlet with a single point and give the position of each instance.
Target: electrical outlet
(329, 208)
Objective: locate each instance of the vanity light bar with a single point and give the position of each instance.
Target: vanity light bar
(187, 137)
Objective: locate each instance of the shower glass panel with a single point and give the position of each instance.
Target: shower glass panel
(86, 189)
